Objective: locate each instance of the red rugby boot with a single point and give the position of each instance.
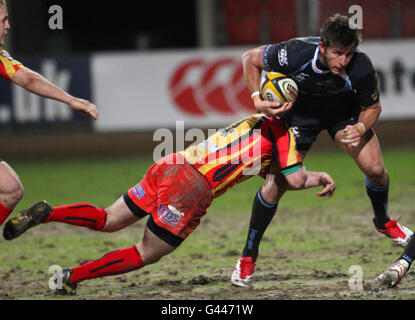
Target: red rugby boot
(243, 272)
(397, 232)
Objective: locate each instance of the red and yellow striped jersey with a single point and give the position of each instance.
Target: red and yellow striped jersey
(8, 66)
(245, 148)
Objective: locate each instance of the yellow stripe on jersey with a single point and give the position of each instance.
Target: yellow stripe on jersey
(9, 63)
(292, 155)
(226, 159)
(220, 139)
(233, 176)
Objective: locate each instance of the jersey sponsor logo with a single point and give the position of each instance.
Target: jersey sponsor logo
(139, 191)
(169, 215)
(201, 86)
(296, 132)
(282, 57)
(301, 77)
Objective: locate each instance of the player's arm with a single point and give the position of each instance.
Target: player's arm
(299, 179)
(253, 65)
(367, 96)
(37, 84)
(367, 119)
(311, 179)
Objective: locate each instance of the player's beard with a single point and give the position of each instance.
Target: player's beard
(326, 63)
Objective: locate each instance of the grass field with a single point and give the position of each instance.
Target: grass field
(306, 253)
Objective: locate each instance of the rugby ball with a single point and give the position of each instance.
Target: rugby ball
(277, 87)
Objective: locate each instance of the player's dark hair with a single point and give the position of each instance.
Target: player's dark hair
(336, 31)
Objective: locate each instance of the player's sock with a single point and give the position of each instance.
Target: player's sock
(262, 214)
(4, 213)
(113, 263)
(409, 252)
(379, 198)
(81, 214)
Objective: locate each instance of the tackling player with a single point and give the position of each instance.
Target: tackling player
(175, 193)
(11, 188)
(337, 92)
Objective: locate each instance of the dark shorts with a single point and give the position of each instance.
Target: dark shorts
(308, 122)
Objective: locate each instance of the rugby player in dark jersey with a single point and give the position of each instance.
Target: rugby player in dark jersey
(337, 92)
(11, 188)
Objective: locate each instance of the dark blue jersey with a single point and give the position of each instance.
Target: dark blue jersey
(298, 59)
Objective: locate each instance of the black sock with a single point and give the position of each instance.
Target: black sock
(379, 198)
(262, 214)
(409, 252)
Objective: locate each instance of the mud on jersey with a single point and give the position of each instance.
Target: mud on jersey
(298, 59)
(8, 66)
(245, 148)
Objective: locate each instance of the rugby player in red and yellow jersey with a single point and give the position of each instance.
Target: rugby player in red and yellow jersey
(175, 193)
(11, 188)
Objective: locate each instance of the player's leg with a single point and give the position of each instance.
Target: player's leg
(119, 215)
(11, 190)
(178, 196)
(397, 270)
(150, 250)
(265, 206)
(368, 157)
(111, 219)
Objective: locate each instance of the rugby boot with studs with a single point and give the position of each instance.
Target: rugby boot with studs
(398, 233)
(26, 219)
(394, 274)
(243, 272)
(66, 287)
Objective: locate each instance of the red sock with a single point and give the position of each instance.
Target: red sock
(116, 262)
(81, 214)
(4, 213)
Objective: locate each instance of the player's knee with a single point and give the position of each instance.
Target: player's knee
(273, 188)
(14, 193)
(377, 171)
(149, 256)
(112, 223)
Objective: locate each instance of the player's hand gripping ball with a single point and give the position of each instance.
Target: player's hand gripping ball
(277, 87)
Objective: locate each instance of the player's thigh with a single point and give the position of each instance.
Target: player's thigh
(9, 180)
(152, 248)
(119, 216)
(367, 155)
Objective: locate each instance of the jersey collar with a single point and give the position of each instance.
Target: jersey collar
(314, 63)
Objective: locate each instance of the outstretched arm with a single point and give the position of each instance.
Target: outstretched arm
(37, 84)
(315, 179)
(311, 179)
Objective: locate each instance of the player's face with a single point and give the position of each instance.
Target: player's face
(335, 58)
(4, 23)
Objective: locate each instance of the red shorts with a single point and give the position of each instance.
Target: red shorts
(174, 193)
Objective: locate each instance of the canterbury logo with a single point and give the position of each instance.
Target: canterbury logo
(201, 86)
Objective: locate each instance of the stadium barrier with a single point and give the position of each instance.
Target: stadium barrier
(140, 92)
